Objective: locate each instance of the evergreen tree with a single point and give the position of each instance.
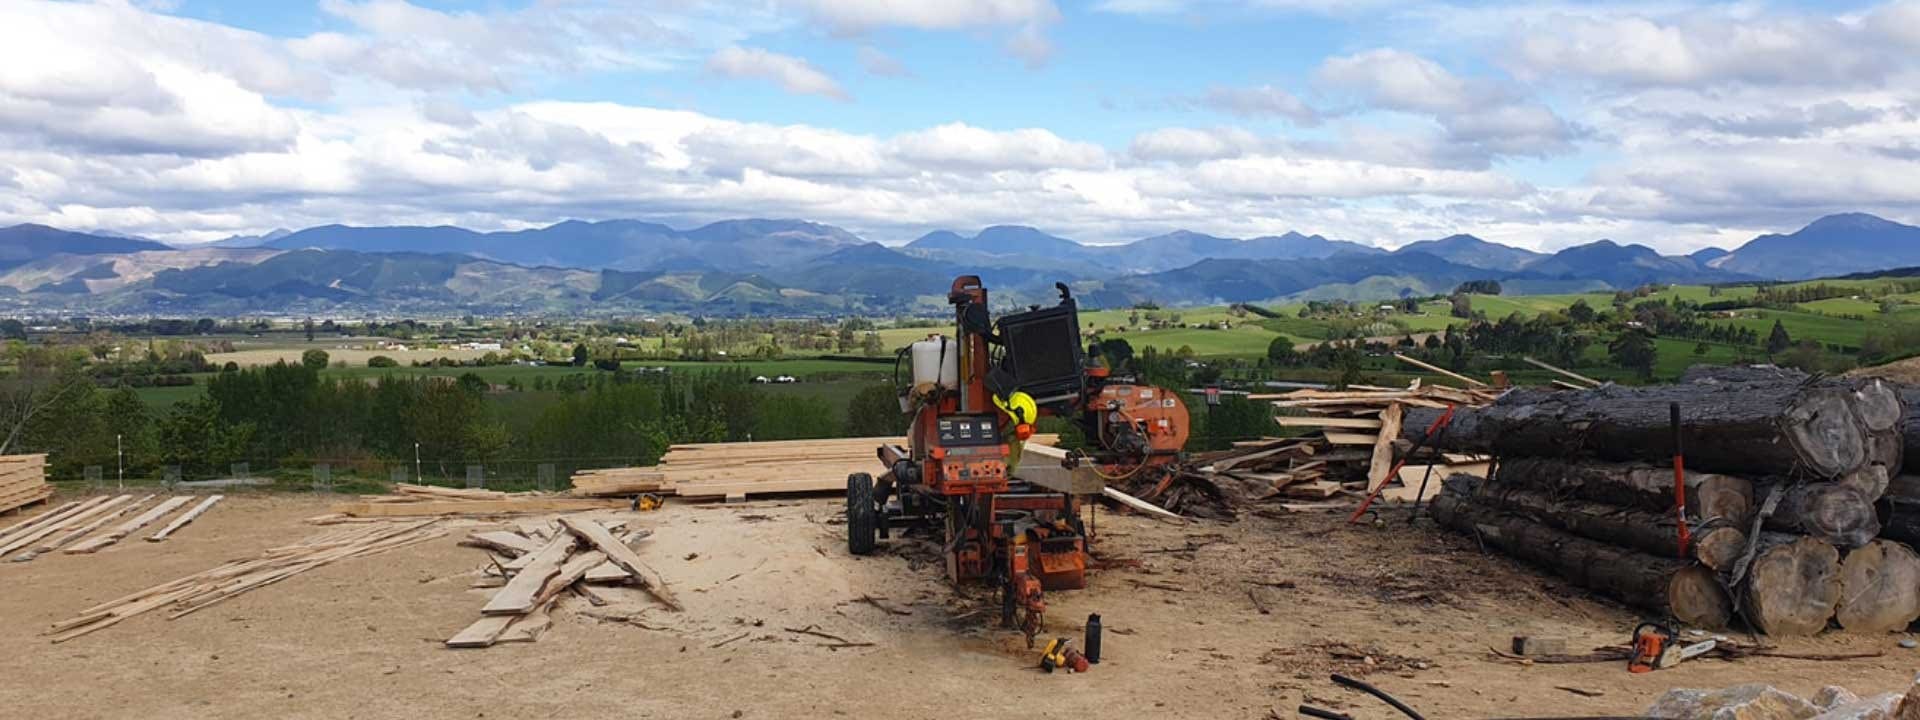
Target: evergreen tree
(1778, 341)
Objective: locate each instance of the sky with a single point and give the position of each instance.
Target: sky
(1676, 125)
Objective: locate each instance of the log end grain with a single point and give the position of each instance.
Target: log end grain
(1793, 586)
(1879, 588)
(1698, 599)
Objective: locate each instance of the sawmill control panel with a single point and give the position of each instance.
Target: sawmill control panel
(969, 430)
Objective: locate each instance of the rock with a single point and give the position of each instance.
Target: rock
(1833, 696)
(1909, 643)
(1741, 702)
(1909, 706)
(1878, 707)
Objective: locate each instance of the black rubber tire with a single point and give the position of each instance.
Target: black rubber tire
(863, 517)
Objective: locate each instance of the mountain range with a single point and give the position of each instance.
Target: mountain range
(759, 266)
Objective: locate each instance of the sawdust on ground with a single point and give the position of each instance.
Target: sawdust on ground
(1205, 620)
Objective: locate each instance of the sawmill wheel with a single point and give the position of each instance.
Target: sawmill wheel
(863, 518)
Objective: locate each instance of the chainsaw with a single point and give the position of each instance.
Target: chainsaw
(1654, 648)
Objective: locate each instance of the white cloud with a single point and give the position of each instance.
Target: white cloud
(1186, 145)
(1484, 116)
(860, 15)
(1263, 100)
(794, 74)
(963, 147)
(881, 64)
(1028, 19)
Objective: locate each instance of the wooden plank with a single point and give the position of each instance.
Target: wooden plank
(1339, 422)
(1382, 463)
(517, 598)
(622, 556)
(510, 543)
(186, 517)
(1150, 509)
(1316, 490)
(127, 528)
(55, 515)
(478, 507)
(71, 534)
(74, 520)
(1438, 369)
(1344, 438)
(482, 633)
(1564, 385)
(1565, 373)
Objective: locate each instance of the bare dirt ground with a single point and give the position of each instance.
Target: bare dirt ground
(1411, 609)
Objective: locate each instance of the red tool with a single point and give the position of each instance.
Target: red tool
(1679, 481)
(1650, 640)
(1432, 431)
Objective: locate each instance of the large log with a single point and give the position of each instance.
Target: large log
(1899, 510)
(1752, 428)
(1911, 430)
(1793, 586)
(1710, 496)
(1684, 590)
(1716, 545)
(1879, 588)
(1834, 512)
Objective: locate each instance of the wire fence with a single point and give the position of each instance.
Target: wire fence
(350, 475)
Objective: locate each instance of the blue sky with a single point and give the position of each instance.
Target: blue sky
(1674, 124)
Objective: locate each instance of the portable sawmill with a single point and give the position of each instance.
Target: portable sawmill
(974, 399)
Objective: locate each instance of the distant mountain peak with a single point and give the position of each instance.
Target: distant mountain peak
(1851, 221)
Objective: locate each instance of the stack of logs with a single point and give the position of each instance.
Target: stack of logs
(1783, 472)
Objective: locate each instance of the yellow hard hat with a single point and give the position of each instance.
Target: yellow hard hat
(1019, 406)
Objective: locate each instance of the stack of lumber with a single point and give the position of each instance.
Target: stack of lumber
(23, 481)
(64, 527)
(1352, 448)
(430, 501)
(200, 590)
(735, 470)
(549, 563)
(1783, 474)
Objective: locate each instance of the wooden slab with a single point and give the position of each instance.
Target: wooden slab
(121, 531)
(186, 517)
(478, 507)
(619, 554)
(518, 596)
(1382, 463)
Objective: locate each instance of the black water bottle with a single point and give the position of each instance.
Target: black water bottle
(1093, 639)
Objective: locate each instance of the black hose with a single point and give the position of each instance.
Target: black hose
(1362, 686)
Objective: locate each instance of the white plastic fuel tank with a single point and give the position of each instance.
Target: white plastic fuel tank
(936, 361)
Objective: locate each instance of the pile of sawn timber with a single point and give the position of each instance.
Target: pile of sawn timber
(548, 561)
(23, 481)
(431, 500)
(1351, 449)
(1783, 472)
(62, 528)
(737, 469)
(232, 579)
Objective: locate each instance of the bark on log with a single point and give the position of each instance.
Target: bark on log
(1716, 546)
(1879, 588)
(1710, 496)
(1793, 587)
(1899, 510)
(1751, 428)
(1833, 512)
(1911, 431)
(1683, 590)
